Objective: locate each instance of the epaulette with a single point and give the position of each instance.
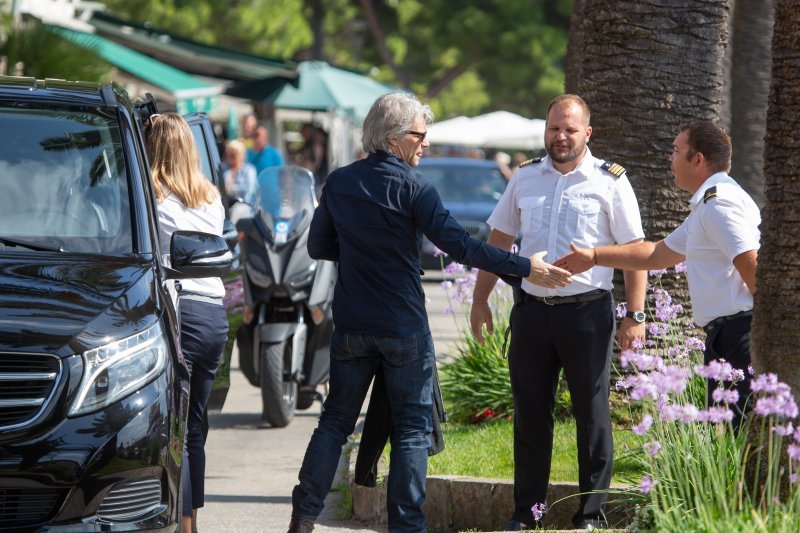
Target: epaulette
(531, 161)
(613, 168)
(710, 193)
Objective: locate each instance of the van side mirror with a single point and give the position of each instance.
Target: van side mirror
(194, 254)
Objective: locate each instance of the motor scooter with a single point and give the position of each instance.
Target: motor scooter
(284, 345)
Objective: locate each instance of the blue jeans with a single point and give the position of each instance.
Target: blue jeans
(407, 366)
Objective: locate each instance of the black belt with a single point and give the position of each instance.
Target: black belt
(721, 321)
(558, 300)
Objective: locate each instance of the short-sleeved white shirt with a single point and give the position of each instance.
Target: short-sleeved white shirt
(209, 218)
(717, 230)
(588, 206)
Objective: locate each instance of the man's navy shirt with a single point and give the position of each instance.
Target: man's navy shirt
(371, 219)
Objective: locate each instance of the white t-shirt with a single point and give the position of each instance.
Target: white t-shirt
(174, 215)
(719, 227)
(588, 206)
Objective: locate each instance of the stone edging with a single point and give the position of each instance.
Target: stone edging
(457, 503)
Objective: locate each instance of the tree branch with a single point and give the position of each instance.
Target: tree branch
(442, 83)
(380, 40)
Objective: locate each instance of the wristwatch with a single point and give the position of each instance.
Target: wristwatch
(638, 316)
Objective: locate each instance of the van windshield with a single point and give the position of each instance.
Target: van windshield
(63, 183)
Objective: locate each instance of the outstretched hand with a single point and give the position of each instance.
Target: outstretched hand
(578, 260)
(547, 275)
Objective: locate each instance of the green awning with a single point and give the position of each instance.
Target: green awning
(191, 94)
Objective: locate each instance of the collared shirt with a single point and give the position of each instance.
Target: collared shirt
(371, 219)
(717, 230)
(174, 215)
(268, 157)
(588, 206)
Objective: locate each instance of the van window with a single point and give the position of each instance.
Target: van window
(63, 180)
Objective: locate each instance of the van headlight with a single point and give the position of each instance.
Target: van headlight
(115, 370)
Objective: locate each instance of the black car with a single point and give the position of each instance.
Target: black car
(470, 188)
(93, 388)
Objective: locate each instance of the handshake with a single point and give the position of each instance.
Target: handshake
(559, 274)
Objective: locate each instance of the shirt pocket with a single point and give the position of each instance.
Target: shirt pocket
(531, 210)
(582, 218)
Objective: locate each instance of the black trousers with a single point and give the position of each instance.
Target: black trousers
(545, 338)
(731, 342)
(204, 331)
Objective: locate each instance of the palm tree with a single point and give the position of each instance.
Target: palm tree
(775, 336)
(43, 54)
(647, 67)
(750, 77)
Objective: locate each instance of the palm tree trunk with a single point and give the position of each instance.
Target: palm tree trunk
(775, 335)
(750, 77)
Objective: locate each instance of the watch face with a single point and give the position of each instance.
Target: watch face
(638, 316)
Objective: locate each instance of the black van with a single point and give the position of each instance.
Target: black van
(93, 389)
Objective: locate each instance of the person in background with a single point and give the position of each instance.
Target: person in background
(248, 131)
(567, 196)
(239, 176)
(371, 219)
(187, 200)
(719, 241)
(262, 155)
(503, 160)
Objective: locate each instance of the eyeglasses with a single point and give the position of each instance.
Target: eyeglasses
(420, 135)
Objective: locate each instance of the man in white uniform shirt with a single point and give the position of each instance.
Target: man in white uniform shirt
(567, 196)
(719, 241)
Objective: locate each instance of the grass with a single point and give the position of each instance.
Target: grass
(486, 450)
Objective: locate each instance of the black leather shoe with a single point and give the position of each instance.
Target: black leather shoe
(516, 525)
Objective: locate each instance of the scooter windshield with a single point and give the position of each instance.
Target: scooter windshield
(285, 201)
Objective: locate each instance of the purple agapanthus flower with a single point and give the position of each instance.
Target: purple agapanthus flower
(722, 395)
(647, 484)
(653, 447)
(794, 452)
(622, 308)
(715, 415)
(680, 268)
(642, 428)
(538, 510)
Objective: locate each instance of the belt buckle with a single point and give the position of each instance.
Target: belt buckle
(544, 299)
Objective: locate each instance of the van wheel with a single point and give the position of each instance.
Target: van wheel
(278, 389)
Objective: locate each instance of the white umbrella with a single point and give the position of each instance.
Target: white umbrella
(499, 129)
(457, 131)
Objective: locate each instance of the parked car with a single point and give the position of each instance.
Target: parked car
(470, 188)
(94, 388)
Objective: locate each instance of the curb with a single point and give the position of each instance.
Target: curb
(458, 503)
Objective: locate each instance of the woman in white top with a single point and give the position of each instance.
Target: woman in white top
(189, 201)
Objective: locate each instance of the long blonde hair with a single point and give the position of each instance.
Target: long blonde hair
(175, 163)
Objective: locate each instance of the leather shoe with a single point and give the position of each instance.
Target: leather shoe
(516, 525)
(299, 525)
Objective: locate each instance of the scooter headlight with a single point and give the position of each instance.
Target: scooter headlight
(304, 278)
(116, 370)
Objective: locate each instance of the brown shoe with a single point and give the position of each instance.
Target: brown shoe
(298, 525)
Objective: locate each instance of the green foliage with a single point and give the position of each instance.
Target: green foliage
(476, 385)
(486, 450)
(275, 28)
(463, 59)
(46, 55)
